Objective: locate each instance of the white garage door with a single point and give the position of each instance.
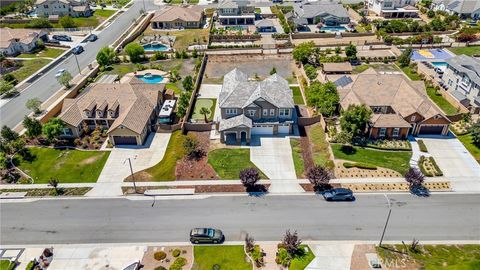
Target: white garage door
(284, 129)
(262, 130)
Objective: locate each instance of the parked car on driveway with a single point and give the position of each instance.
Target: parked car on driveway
(78, 49)
(62, 37)
(338, 194)
(206, 235)
(92, 38)
(59, 72)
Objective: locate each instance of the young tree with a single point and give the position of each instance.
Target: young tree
(324, 97)
(249, 243)
(475, 133)
(67, 22)
(355, 119)
(54, 183)
(8, 134)
(135, 51)
(205, 112)
(302, 52)
(192, 148)
(273, 71)
(5, 86)
(414, 177)
(351, 52)
(310, 71)
(291, 242)
(249, 177)
(106, 56)
(53, 128)
(10, 78)
(34, 105)
(430, 14)
(33, 126)
(319, 177)
(65, 79)
(404, 59)
(188, 83)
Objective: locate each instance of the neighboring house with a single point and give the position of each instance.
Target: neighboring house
(462, 8)
(72, 8)
(178, 17)
(393, 8)
(462, 78)
(329, 14)
(127, 110)
(265, 26)
(254, 107)
(19, 40)
(236, 12)
(337, 68)
(400, 106)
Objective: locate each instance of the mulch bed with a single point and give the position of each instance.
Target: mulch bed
(306, 148)
(198, 189)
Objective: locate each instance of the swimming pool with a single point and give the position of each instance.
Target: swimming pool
(149, 78)
(439, 64)
(155, 47)
(334, 28)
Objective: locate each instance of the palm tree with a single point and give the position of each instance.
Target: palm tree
(205, 111)
(54, 183)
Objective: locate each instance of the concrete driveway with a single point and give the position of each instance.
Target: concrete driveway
(456, 163)
(273, 156)
(331, 257)
(117, 168)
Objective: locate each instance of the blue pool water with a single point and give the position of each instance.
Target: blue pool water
(155, 47)
(440, 64)
(334, 28)
(150, 78)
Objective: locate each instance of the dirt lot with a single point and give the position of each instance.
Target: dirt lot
(219, 65)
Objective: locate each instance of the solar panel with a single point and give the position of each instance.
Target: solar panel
(343, 81)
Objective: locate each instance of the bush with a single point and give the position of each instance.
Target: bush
(159, 255)
(178, 264)
(422, 146)
(39, 23)
(176, 252)
(359, 165)
(249, 177)
(160, 268)
(437, 169)
(283, 258)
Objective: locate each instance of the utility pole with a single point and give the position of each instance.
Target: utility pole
(78, 65)
(388, 218)
(131, 173)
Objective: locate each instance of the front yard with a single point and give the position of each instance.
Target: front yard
(395, 160)
(228, 162)
(68, 166)
(29, 67)
(320, 152)
(47, 52)
(226, 257)
(300, 261)
(467, 141)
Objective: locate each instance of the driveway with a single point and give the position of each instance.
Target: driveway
(273, 156)
(331, 257)
(456, 163)
(117, 168)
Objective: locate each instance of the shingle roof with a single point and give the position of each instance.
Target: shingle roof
(389, 120)
(468, 65)
(310, 10)
(460, 6)
(233, 3)
(235, 122)
(135, 103)
(238, 92)
(22, 35)
(171, 13)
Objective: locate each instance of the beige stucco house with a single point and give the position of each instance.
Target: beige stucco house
(16, 41)
(178, 17)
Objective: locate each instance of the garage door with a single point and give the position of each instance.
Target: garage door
(284, 129)
(130, 140)
(262, 130)
(431, 130)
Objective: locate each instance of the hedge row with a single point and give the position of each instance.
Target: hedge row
(422, 146)
(359, 165)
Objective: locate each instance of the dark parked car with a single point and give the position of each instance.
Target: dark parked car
(62, 37)
(338, 194)
(206, 235)
(92, 38)
(78, 49)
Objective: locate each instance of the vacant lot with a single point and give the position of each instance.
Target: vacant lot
(29, 67)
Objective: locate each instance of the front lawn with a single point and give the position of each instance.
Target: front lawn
(298, 162)
(320, 153)
(470, 51)
(441, 102)
(299, 262)
(47, 52)
(68, 166)
(104, 13)
(395, 160)
(468, 143)
(228, 162)
(226, 257)
(6, 265)
(29, 67)
(297, 95)
(207, 103)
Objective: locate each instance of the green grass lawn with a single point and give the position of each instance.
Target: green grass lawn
(472, 50)
(176, 88)
(433, 257)
(92, 21)
(446, 107)
(297, 95)
(320, 153)
(228, 162)
(395, 160)
(47, 52)
(299, 262)
(360, 69)
(468, 143)
(193, 2)
(68, 166)
(207, 103)
(227, 257)
(185, 37)
(298, 162)
(360, 29)
(165, 169)
(6, 265)
(29, 67)
(119, 69)
(411, 73)
(105, 13)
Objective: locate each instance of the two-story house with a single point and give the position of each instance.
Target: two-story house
(393, 8)
(251, 107)
(236, 12)
(128, 111)
(72, 8)
(462, 79)
(330, 14)
(400, 107)
(462, 8)
(19, 40)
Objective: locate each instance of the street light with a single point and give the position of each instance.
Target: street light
(131, 172)
(388, 218)
(78, 65)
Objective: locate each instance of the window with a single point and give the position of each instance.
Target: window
(387, 4)
(284, 112)
(67, 132)
(265, 112)
(251, 112)
(413, 118)
(396, 132)
(231, 111)
(383, 131)
(272, 112)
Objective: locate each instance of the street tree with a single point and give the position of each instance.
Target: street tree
(205, 112)
(351, 52)
(65, 79)
(135, 51)
(53, 182)
(187, 83)
(355, 119)
(319, 177)
(273, 71)
(414, 177)
(249, 177)
(106, 56)
(53, 128)
(33, 126)
(324, 97)
(34, 105)
(291, 242)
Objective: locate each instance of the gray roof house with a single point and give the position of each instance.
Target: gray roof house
(462, 79)
(236, 12)
(319, 12)
(463, 8)
(251, 107)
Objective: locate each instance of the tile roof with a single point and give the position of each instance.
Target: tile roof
(25, 36)
(389, 120)
(460, 6)
(337, 67)
(238, 92)
(235, 122)
(135, 103)
(184, 13)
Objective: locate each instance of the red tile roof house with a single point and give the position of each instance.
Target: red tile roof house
(400, 106)
(127, 110)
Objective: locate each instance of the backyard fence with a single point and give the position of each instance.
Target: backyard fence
(231, 38)
(307, 121)
(198, 126)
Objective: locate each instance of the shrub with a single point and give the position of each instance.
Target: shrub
(159, 255)
(249, 177)
(359, 165)
(176, 252)
(319, 177)
(178, 264)
(437, 169)
(414, 177)
(422, 146)
(283, 257)
(160, 268)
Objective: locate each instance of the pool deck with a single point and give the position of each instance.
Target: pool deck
(129, 76)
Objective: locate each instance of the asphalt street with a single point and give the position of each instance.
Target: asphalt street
(75, 221)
